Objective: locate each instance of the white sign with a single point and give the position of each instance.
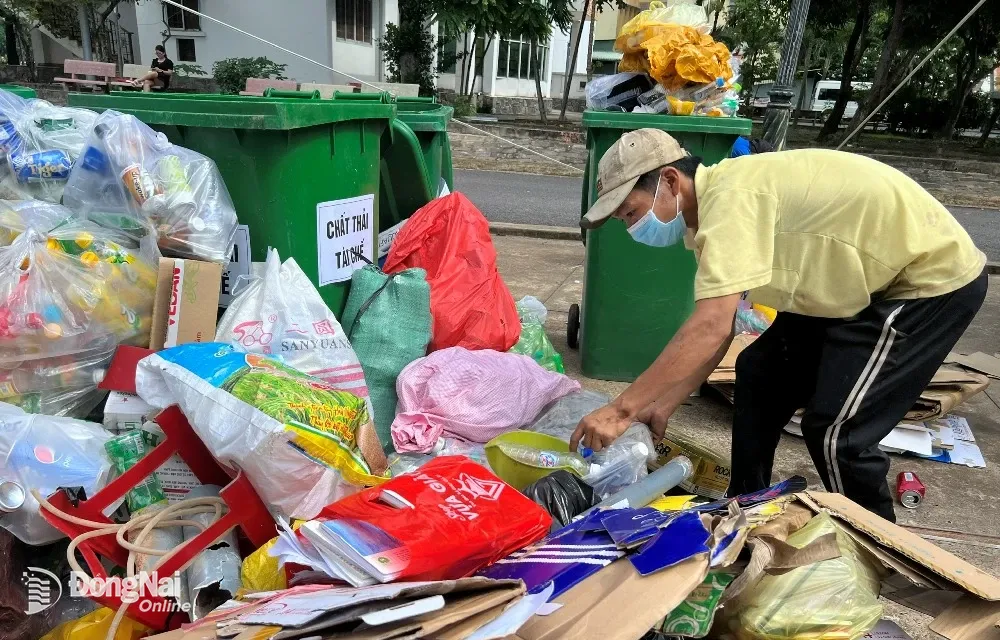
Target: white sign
(239, 265)
(386, 237)
(346, 238)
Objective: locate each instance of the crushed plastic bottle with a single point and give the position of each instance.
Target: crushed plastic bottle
(545, 458)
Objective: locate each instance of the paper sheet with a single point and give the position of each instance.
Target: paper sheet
(508, 622)
(959, 426)
(918, 441)
(968, 454)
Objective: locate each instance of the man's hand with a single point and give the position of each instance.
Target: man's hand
(600, 428)
(655, 416)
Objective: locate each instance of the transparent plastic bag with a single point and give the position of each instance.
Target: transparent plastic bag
(68, 297)
(18, 215)
(46, 453)
(130, 174)
(400, 463)
(621, 464)
(561, 417)
(751, 318)
(618, 92)
(835, 598)
(39, 143)
(534, 342)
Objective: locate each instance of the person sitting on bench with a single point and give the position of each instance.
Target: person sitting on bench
(159, 74)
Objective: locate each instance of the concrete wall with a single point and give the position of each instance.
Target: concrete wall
(304, 26)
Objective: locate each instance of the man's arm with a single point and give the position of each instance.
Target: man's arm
(676, 372)
(659, 411)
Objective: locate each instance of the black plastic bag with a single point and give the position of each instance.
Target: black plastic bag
(563, 495)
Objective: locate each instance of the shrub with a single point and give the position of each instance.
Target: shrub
(231, 73)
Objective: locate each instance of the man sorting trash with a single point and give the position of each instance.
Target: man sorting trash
(873, 279)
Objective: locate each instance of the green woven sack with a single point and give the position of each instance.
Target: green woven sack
(388, 321)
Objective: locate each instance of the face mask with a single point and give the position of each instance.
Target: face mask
(651, 231)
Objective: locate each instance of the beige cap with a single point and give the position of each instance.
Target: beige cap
(634, 154)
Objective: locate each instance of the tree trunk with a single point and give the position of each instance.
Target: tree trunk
(538, 82)
(992, 122)
(475, 71)
(965, 80)
(11, 42)
(568, 80)
(463, 80)
(852, 54)
(882, 82)
(805, 82)
(590, 51)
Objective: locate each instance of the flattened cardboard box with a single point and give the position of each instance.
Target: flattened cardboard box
(186, 303)
(968, 606)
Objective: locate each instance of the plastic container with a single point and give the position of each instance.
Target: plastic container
(652, 287)
(518, 474)
(280, 157)
(649, 488)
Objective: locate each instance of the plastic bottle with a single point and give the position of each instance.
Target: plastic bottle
(619, 468)
(27, 380)
(649, 488)
(544, 458)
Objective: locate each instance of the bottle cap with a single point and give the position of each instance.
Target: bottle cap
(640, 449)
(586, 452)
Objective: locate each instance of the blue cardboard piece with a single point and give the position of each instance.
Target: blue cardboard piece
(566, 558)
(630, 526)
(682, 538)
(783, 488)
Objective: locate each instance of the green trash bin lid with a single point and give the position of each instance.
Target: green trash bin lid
(424, 115)
(686, 124)
(231, 112)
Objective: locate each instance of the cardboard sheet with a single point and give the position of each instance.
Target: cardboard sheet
(978, 361)
(969, 619)
(617, 604)
(909, 544)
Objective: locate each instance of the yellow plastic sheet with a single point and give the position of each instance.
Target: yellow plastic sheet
(95, 625)
(260, 570)
(675, 55)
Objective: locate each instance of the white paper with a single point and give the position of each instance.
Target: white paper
(918, 441)
(548, 609)
(959, 426)
(886, 630)
(968, 454)
(944, 437)
(297, 609)
(514, 616)
(386, 237)
(239, 265)
(345, 233)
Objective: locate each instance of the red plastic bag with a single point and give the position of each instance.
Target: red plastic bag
(463, 519)
(450, 239)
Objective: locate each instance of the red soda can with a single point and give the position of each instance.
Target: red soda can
(909, 489)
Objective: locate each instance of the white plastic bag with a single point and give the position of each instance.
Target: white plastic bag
(281, 313)
(46, 453)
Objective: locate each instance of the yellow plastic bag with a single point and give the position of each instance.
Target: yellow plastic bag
(831, 599)
(260, 570)
(95, 625)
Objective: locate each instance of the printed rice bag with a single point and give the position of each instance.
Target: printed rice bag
(302, 443)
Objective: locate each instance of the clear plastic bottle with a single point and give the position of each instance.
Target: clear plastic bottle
(545, 458)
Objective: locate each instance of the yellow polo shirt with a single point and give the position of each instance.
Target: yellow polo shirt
(821, 233)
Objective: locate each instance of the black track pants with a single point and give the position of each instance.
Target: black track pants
(856, 379)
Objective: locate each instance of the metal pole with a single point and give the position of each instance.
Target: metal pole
(780, 104)
(81, 14)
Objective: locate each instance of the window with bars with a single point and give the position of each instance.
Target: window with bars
(354, 20)
(514, 59)
(177, 18)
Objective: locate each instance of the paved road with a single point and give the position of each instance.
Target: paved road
(553, 200)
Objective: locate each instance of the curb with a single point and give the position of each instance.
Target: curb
(544, 232)
(547, 232)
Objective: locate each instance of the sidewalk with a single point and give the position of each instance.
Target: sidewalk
(958, 498)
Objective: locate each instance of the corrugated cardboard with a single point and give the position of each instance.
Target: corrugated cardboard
(710, 477)
(969, 619)
(185, 307)
(616, 603)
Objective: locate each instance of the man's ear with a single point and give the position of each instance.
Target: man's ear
(671, 177)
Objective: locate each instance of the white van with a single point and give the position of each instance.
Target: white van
(824, 95)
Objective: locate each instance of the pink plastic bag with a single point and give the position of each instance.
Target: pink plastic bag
(471, 395)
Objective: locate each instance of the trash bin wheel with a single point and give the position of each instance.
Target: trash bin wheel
(573, 327)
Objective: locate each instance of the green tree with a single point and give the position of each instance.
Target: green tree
(754, 29)
(533, 19)
(857, 44)
(408, 48)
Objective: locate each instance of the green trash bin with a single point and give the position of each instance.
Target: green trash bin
(16, 89)
(280, 159)
(636, 297)
(416, 157)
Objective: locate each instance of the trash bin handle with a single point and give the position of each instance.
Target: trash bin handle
(421, 99)
(271, 92)
(381, 96)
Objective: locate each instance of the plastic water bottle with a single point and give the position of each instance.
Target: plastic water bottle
(649, 488)
(545, 458)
